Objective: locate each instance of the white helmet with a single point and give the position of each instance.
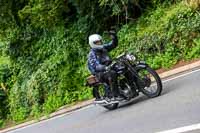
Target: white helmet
(95, 41)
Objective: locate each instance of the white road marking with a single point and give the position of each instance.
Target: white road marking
(183, 129)
(182, 75)
(50, 119)
(93, 105)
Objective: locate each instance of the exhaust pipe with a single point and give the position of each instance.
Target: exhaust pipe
(105, 102)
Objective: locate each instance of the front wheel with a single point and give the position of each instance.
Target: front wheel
(152, 85)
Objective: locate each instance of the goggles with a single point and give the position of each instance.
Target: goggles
(99, 42)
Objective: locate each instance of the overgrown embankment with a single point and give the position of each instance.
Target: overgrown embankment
(164, 36)
(44, 47)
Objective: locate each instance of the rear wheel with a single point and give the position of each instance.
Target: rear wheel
(151, 82)
(111, 106)
(99, 93)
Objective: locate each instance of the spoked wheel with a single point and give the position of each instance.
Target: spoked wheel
(111, 106)
(99, 93)
(151, 82)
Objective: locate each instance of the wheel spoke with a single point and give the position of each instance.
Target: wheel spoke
(152, 86)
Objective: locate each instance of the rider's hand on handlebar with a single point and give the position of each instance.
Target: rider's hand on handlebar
(108, 68)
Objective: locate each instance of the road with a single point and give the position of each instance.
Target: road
(178, 106)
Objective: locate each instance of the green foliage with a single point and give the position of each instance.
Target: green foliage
(195, 4)
(1, 122)
(19, 114)
(42, 14)
(54, 75)
(2, 104)
(43, 46)
(53, 102)
(117, 6)
(163, 36)
(5, 74)
(194, 51)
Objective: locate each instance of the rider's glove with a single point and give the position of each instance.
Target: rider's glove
(112, 32)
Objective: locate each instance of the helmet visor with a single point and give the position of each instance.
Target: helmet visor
(99, 42)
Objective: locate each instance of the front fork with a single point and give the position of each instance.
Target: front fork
(141, 83)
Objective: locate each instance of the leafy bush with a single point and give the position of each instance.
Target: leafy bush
(1, 122)
(194, 51)
(54, 75)
(5, 83)
(163, 36)
(2, 103)
(46, 45)
(193, 3)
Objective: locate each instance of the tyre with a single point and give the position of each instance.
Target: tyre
(152, 85)
(96, 93)
(111, 106)
(99, 93)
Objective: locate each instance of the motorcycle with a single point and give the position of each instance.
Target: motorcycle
(133, 77)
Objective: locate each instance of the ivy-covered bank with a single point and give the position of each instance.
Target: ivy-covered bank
(43, 46)
(164, 36)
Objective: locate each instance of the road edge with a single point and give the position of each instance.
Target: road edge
(65, 109)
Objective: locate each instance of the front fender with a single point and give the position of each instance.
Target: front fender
(141, 65)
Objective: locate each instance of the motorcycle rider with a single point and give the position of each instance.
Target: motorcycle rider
(99, 61)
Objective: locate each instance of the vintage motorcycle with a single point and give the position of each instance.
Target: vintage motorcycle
(133, 77)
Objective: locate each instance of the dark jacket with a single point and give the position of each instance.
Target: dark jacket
(98, 59)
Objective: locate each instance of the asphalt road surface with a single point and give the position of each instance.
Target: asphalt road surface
(178, 106)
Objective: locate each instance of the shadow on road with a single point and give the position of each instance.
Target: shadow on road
(142, 98)
(137, 100)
